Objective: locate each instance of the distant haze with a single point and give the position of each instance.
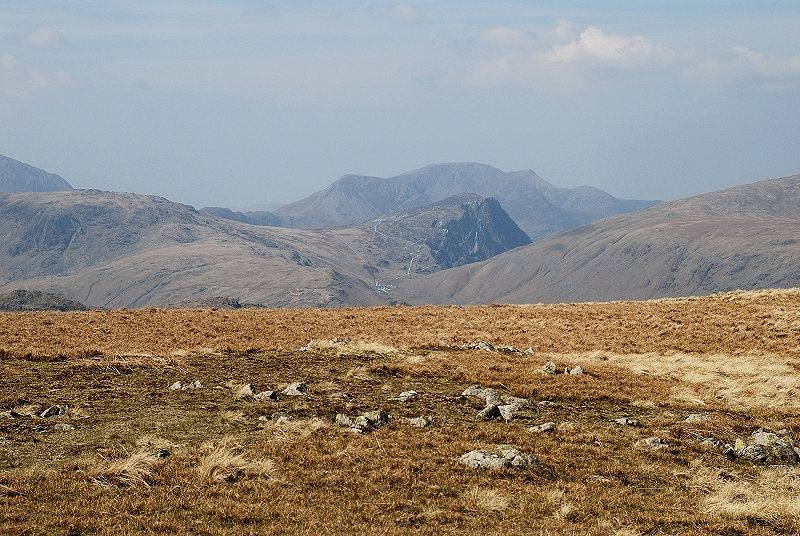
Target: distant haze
(251, 103)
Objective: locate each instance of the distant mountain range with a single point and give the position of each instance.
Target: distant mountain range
(538, 207)
(434, 235)
(109, 249)
(746, 237)
(16, 176)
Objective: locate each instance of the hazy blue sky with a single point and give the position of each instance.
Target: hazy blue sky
(241, 103)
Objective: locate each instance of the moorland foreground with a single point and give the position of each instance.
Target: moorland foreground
(93, 439)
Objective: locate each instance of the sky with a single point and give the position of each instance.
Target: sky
(247, 103)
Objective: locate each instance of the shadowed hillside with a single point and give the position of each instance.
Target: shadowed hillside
(741, 238)
(16, 176)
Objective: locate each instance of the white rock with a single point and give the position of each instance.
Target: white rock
(652, 443)
(625, 421)
(266, 395)
(543, 428)
(548, 368)
(420, 422)
(295, 389)
(406, 396)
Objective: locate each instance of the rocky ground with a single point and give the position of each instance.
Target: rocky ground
(341, 435)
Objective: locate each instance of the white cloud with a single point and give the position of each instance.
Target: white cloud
(17, 80)
(560, 58)
(404, 12)
(44, 36)
(744, 64)
(595, 45)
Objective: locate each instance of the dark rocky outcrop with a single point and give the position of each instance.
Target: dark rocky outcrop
(34, 300)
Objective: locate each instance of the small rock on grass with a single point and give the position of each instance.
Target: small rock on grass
(180, 386)
(548, 368)
(543, 428)
(575, 371)
(63, 427)
(53, 411)
(406, 396)
(504, 456)
(421, 422)
(266, 395)
(625, 421)
(371, 420)
(508, 411)
(652, 443)
(295, 389)
(695, 418)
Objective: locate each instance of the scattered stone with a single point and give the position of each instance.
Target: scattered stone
(63, 427)
(521, 402)
(625, 421)
(266, 395)
(507, 411)
(543, 428)
(652, 443)
(575, 371)
(371, 420)
(406, 396)
(547, 403)
(480, 345)
(529, 351)
(765, 448)
(421, 422)
(548, 368)
(505, 456)
(344, 420)
(53, 411)
(695, 418)
(164, 453)
(507, 349)
(245, 391)
(180, 386)
(295, 389)
(490, 396)
(492, 411)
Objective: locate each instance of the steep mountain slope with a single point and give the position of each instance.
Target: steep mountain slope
(741, 238)
(16, 176)
(538, 207)
(127, 250)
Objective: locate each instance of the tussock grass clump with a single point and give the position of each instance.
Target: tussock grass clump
(488, 500)
(226, 462)
(771, 498)
(136, 469)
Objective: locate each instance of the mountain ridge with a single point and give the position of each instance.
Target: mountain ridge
(16, 176)
(739, 238)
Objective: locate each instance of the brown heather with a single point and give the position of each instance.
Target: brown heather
(734, 358)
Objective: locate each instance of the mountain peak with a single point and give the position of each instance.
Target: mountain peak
(16, 176)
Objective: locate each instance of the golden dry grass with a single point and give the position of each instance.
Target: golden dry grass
(234, 466)
(771, 497)
(135, 469)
